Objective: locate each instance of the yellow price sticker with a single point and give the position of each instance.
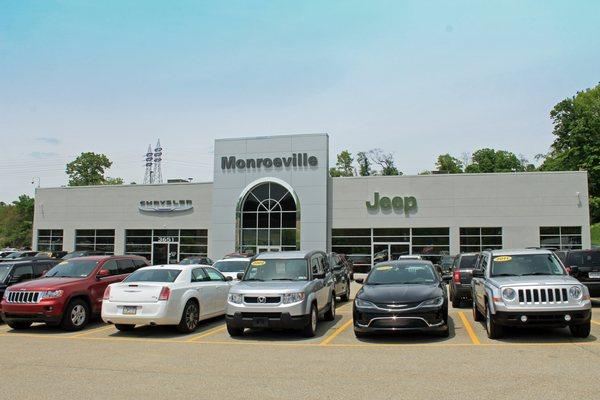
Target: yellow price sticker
(384, 268)
(258, 263)
(502, 259)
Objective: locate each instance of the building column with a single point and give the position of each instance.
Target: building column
(454, 240)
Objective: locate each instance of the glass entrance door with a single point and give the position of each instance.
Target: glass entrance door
(165, 253)
(389, 251)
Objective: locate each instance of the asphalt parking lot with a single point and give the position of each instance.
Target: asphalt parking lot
(158, 362)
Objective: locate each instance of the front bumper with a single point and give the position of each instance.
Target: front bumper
(267, 320)
(159, 313)
(381, 321)
(542, 318)
(48, 311)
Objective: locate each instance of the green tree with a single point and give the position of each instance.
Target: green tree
(364, 164)
(343, 167)
(16, 222)
(447, 163)
(88, 169)
(490, 160)
(385, 162)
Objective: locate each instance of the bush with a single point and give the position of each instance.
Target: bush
(595, 210)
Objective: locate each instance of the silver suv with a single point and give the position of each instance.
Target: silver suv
(528, 288)
(289, 289)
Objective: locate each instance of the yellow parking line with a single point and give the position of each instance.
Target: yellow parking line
(469, 328)
(101, 329)
(335, 333)
(208, 333)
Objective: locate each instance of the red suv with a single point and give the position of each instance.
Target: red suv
(68, 294)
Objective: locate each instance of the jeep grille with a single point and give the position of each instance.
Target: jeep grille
(23, 297)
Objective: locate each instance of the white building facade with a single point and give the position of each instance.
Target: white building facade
(275, 194)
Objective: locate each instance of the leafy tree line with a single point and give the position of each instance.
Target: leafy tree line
(372, 162)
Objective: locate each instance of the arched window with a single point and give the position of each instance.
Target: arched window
(268, 219)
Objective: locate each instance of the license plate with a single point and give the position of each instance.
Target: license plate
(260, 322)
(594, 275)
(129, 310)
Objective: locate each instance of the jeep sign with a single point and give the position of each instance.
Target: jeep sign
(398, 204)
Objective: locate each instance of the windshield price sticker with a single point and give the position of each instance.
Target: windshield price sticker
(502, 259)
(258, 263)
(384, 268)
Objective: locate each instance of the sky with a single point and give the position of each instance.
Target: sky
(414, 78)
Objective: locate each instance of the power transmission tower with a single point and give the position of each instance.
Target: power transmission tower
(148, 174)
(157, 161)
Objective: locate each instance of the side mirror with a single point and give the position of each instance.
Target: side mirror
(239, 276)
(477, 273)
(103, 273)
(359, 280)
(228, 278)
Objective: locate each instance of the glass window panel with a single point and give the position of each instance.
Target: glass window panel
(138, 240)
(85, 232)
(470, 231)
(391, 232)
(278, 191)
(470, 249)
(430, 250)
(249, 220)
(431, 241)
(570, 230)
(491, 231)
(550, 241)
(249, 237)
(351, 232)
(430, 231)
(275, 220)
(105, 240)
(275, 237)
(250, 204)
(193, 232)
(263, 220)
(288, 219)
(138, 232)
(261, 191)
(491, 241)
(351, 241)
(288, 203)
(137, 248)
(105, 248)
(192, 249)
(263, 237)
(288, 237)
(193, 240)
(84, 240)
(44, 232)
(395, 239)
(105, 232)
(549, 230)
(166, 232)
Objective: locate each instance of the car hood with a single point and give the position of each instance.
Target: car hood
(45, 283)
(542, 280)
(269, 287)
(391, 294)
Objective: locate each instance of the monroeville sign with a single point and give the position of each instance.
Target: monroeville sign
(398, 204)
(295, 160)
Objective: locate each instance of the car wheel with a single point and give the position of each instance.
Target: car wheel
(124, 327)
(445, 332)
(190, 318)
(494, 331)
(19, 325)
(76, 317)
(234, 331)
(310, 329)
(346, 295)
(330, 314)
(476, 314)
(360, 335)
(581, 330)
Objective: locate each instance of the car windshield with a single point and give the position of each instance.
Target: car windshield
(402, 273)
(153, 275)
(17, 254)
(4, 270)
(584, 259)
(526, 264)
(468, 261)
(231, 266)
(72, 269)
(277, 270)
(190, 261)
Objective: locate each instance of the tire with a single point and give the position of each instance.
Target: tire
(360, 335)
(330, 314)
(455, 301)
(476, 314)
(76, 316)
(125, 327)
(190, 318)
(445, 332)
(346, 296)
(581, 330)
(310, 329)
(19, 325)
(234, 331)
(494, 331)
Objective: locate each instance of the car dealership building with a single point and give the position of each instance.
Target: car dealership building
(275, 193)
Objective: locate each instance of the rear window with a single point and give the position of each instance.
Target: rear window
(153, 275)
(584, 259)
(467, 262)
(231, 266)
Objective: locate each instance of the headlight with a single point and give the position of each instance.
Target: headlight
(288, 298)
(364, 304)
(575, 293)
(435, 302)
(235, 298)
(50, 294)
(509, 294)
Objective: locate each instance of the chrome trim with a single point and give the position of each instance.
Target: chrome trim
(397, 318)
(420, 305)
(23, 297)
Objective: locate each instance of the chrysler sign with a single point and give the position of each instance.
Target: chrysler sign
(295, 160)
(165, 205)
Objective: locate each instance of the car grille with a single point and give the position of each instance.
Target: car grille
(267, 299)
(262, 315)
(543, 295)
(23, 297)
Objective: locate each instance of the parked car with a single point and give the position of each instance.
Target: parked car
(528, 288)
(289, 289)
(15, 272)
(179, 295)
(83, 253)
(361, 263)
(196, 261)
(21, 255)
(584, 265)
(5, 253)
(52, 254)
(341, 276)
(68, 294)
(446, 262)
(231, 267)
(403, 295)
(462, 271)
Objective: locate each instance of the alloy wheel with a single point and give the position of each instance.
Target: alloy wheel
(191, 318)
(333, 305)
(313, 319)
(78, 315)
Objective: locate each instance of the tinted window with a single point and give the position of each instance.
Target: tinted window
(4, 270)
(153, 275)
(125, 266)
(214, 275)
(42, 266)
(198, 275)
(22, 273)
(467, 262)
(139, 263)
(584, 259)
(111, 266)
(73, 269)
(270, 270)
(409, 273)
(231, 266)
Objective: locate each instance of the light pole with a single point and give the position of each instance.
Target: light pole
(38, 181)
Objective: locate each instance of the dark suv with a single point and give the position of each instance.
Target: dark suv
(584, 265)
(68, 294)
(341, 275)
(462, 273)
(15, 272)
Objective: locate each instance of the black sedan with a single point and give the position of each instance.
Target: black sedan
(406, 295)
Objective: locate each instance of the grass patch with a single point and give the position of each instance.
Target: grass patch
(596, 234)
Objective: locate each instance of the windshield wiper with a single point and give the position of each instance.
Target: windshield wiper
(506, 275)
(283, 279)
(253, 279)
(536, 273)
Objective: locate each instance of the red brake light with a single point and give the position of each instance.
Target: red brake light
(106, 293)
(164, 293)
(456, 276)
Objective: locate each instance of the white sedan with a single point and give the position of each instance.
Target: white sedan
(232, 266)
(180, 295)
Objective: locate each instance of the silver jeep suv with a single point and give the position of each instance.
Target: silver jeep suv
(289, 289)
(528, 288)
